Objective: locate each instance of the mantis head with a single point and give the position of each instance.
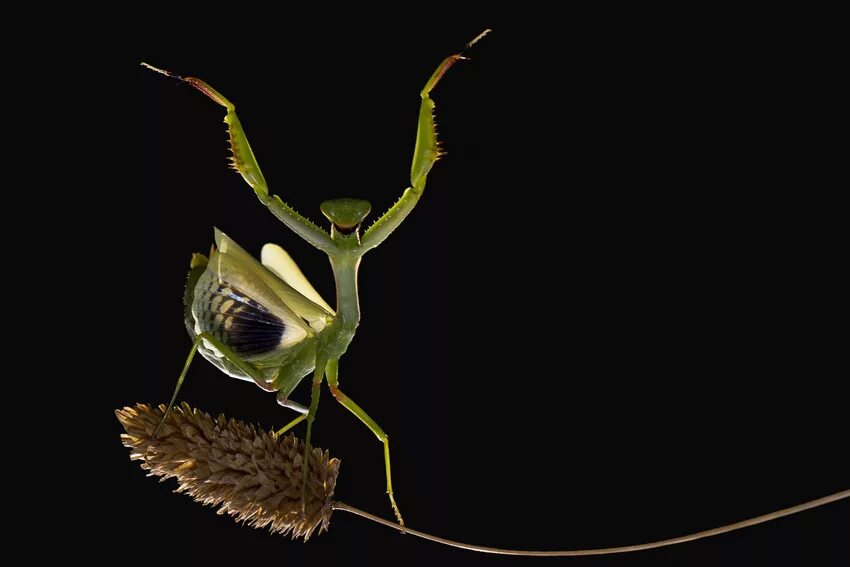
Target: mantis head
(346, 214)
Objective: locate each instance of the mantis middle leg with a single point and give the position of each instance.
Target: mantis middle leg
(332, 371)
(250, 370)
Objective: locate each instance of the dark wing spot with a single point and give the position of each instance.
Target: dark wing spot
(235, 319)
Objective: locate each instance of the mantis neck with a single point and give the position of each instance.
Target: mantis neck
(347, 301)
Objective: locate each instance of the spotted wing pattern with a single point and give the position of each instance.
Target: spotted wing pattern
(247, 327)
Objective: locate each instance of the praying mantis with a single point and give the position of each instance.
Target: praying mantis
(263, 321)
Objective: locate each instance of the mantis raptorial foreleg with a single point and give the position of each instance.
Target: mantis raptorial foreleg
(425, 153)
(245, 163)
(332, 371)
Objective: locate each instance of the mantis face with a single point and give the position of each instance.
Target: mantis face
(346, 215)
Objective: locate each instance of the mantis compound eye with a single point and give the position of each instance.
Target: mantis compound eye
(346, 214)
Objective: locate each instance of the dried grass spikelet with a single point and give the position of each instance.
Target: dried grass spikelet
(248, 473)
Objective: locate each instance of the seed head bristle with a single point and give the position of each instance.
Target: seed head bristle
(246, 472)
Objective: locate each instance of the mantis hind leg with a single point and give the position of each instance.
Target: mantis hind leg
(290, 425)
(315, 392)
(246, 367)
(348, 403)
(287, 403)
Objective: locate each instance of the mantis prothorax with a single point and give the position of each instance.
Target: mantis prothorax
(263, 321)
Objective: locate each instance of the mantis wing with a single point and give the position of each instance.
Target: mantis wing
(233, 301)
(239, 263)
(278, 261)
(259, 317)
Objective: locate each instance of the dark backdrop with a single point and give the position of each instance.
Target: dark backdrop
(612, 318)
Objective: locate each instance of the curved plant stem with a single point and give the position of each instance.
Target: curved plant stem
(607, 550)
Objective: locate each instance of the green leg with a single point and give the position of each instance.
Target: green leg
(291, 404)
(315, 392)
(245, 163)
(425, 153)
(333, 383)
(427, 149)
(247, 368)
(286, 383)
(290, 425)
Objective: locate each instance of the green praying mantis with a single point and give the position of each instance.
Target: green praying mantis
(263, 321)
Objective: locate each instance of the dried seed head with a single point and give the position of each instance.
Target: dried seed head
(248, 473)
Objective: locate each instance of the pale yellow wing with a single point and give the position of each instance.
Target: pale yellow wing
(281, 263)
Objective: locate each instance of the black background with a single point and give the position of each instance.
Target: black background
(613, 317)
